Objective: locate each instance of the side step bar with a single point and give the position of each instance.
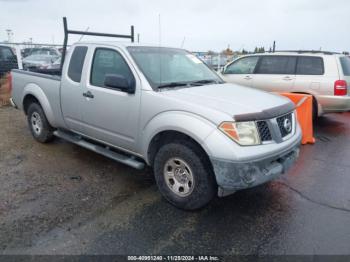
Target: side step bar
(127, 160)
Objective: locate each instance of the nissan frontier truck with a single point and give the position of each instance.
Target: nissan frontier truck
(164, 108)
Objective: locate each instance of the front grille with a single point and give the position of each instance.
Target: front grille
(285, 124)
(264, 131)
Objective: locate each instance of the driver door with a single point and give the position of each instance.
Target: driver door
(111, 115)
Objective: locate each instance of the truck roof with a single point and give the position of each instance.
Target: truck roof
(122, 44)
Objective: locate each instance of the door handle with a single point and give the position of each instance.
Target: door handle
(248, 78)
(88, 94)
(287, 78)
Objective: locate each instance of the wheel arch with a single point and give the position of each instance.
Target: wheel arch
(34, 94)
(167, 136)
(314, 100)
(174, 126)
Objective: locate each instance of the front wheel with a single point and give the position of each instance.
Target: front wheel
(184, 175)
(40, 128)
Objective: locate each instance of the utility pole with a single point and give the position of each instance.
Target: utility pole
(274, 46)
(138, 38)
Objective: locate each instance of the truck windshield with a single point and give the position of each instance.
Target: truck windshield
(171, 67)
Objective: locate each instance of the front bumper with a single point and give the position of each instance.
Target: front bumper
(233, 176)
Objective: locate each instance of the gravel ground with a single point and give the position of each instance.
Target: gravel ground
(61, 199)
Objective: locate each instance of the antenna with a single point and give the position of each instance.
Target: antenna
(183, 42)
(159, 31)
(160, 43)
(87, 29)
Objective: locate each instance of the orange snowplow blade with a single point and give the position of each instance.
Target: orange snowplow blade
(303, 104)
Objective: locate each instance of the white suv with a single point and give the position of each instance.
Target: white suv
(324, 75)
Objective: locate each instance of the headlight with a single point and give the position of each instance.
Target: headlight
(244, 133)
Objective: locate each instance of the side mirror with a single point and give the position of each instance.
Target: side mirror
(222, 71)
(119, 82)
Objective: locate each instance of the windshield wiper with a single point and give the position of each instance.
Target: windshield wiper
(173, 84)
(194, 83)
(205, 81)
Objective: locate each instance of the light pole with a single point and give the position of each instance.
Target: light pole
(9, 35)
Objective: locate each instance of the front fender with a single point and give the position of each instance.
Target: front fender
(38, 93)
(196, 127)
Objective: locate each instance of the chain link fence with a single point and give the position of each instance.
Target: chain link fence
(215, 61)
(28, 56)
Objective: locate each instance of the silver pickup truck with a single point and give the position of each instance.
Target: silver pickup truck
(162, 107)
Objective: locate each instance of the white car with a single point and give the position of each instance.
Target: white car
(324, 75)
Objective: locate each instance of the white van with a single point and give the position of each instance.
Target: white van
(324, 75)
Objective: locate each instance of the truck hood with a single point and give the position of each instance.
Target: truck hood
(242, 103)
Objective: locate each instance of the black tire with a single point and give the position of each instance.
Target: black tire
(204, 186)
(314, 110)
(43, 134)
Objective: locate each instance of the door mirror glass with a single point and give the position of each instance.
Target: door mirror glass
(119, 82)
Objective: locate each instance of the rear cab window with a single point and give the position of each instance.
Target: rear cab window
(76, 63)
(310, 65)
(345, 64)
(6, 53)
(276, 65)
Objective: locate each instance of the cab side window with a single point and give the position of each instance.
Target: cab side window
(308, 65)
(244, 65)
(108, 61)
(277, 65)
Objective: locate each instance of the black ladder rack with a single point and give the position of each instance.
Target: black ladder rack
(75, 32)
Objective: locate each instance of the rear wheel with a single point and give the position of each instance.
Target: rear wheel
(184, 175)
(40, 128)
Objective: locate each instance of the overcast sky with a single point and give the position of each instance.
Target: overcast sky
(205, 25)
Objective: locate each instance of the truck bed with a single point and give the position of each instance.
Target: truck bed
(46, 88)
(42, 74)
